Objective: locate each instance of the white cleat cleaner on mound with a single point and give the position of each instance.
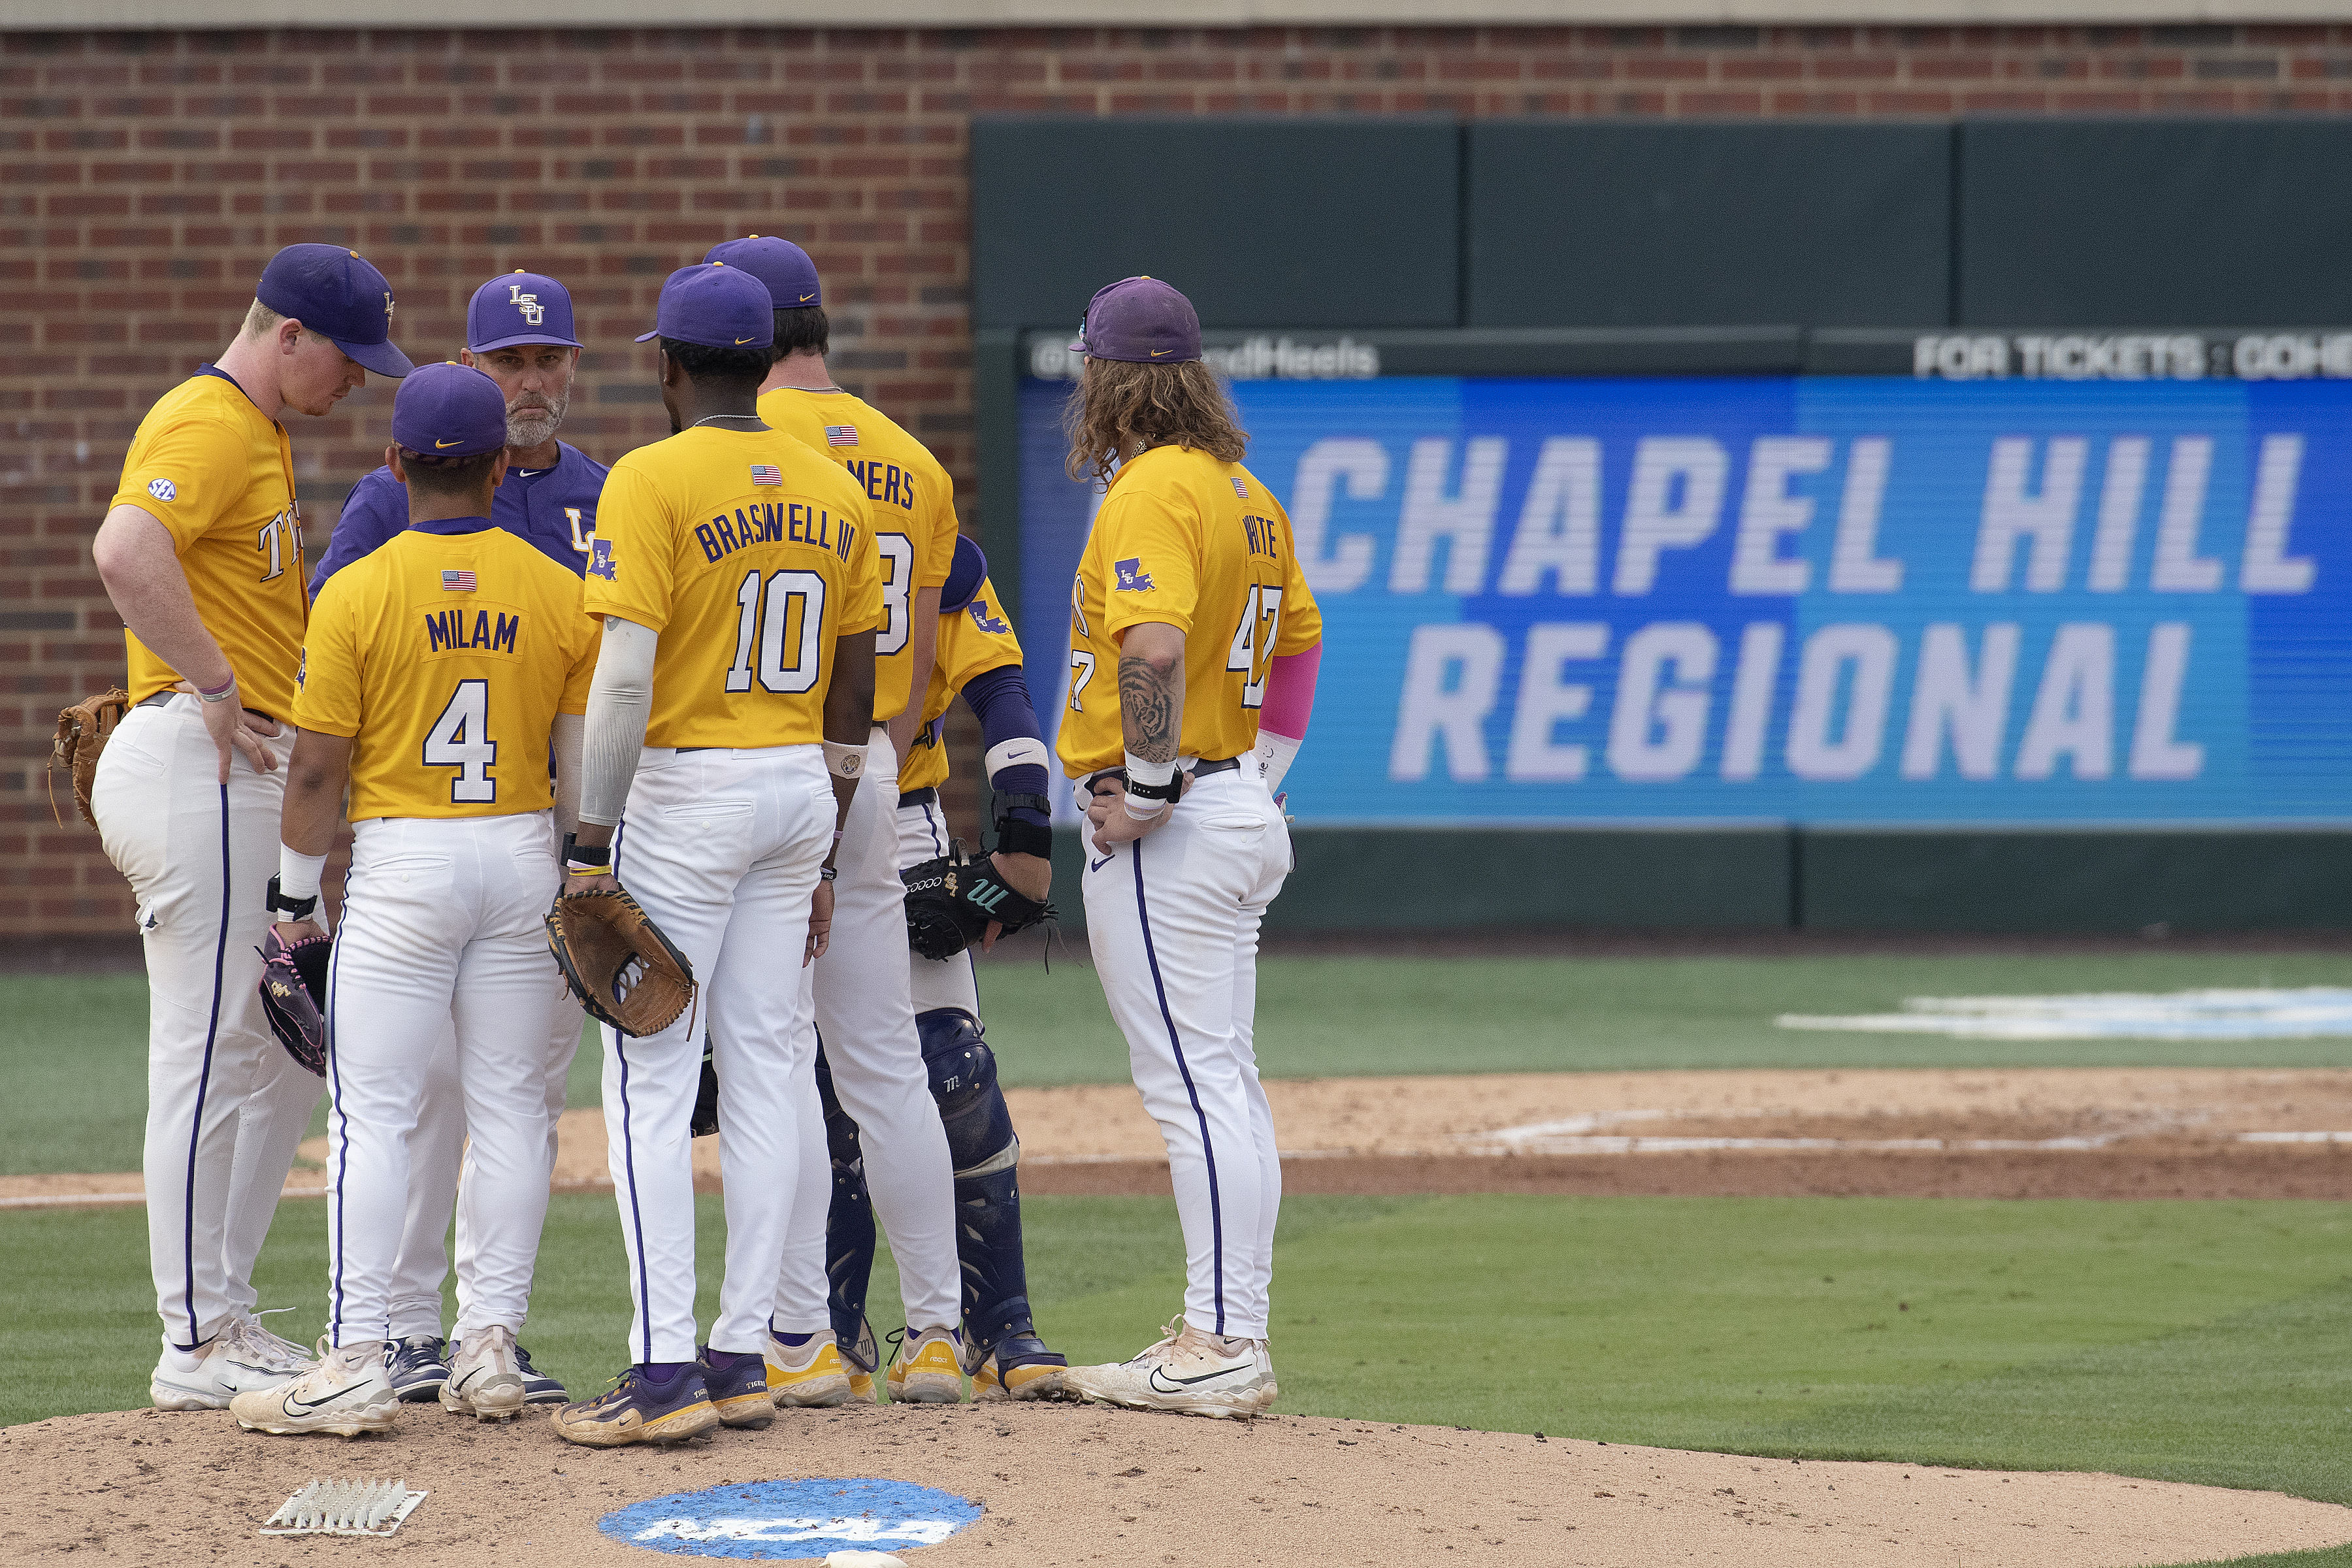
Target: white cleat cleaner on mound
(347, 1394)
(486, 1379)
(1189, 1373)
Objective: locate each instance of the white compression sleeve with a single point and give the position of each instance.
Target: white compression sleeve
(565, 740)
(620, 702)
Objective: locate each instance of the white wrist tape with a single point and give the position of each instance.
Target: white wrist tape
(1153, 773)
(1012, 754)
(297, 874)
(1129, 803)
(1274, 754)
(844, 761)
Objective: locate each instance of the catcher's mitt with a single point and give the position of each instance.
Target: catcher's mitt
(616, 960)
(951, 899)
(294, 992)
(82, 729)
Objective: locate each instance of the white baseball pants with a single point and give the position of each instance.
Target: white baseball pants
(442, 928)
(227, 1106)
(437, 1152)
(1173, 922)
(721, 847)
(933, 982)
(867, 1021)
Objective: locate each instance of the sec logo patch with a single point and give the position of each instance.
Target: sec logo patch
(162, 489)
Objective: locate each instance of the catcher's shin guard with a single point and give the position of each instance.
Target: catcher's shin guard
(985, 1153)
(849, 1223)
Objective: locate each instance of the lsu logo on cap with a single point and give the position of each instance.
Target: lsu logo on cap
(532, 310)
(600, 559)
(1132, 577)
(162, 489)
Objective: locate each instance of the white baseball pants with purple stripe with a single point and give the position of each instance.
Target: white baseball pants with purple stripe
(1173, 922)
(721, 848)
(227, 1106)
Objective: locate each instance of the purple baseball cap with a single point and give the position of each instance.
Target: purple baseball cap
(1142, 320)
(449, 410)
(783, 266)
(338, 295)
(716, 305)
(519, 308)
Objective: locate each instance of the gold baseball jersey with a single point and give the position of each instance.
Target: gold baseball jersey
(749, 554)
(218, 474)
(972, 641)
(444, 657)
(912, 503)
(1200, 545)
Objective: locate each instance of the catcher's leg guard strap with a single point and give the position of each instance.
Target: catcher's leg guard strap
(849, 1223)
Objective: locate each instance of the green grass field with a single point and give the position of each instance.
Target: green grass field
(2200, 1341)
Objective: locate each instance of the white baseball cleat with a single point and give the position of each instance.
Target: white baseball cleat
(485, 1377)
(1269, 1391)
(259, 1347)
(216, 1373)
(1188, 1371)
(347, 1394)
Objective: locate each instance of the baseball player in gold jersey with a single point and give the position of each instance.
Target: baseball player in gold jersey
(432, 680)
(865, 1021)
(736, 573)
(1187, 588)
(201, 553)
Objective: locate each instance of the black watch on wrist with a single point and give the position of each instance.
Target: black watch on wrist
(1167, 792)
(287, 909)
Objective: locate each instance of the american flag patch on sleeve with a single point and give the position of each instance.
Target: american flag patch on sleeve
(841, 435)
(767, 474)
(457, 581)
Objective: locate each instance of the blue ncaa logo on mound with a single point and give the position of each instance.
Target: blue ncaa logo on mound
(792, 1520)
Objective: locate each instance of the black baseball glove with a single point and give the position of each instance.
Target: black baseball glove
(294, 994)
(951, 899)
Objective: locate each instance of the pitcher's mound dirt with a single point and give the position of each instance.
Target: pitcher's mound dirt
(1083, 1485)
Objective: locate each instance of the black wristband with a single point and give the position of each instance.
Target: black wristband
(1167, 792)
(1014, 836)
(291, 909)
(578, 854)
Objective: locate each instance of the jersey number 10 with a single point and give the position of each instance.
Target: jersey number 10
(766, 621)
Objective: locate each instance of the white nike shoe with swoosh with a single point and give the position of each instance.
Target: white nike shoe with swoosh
(216, 1373)
(1188, 1373)
(348, 1394)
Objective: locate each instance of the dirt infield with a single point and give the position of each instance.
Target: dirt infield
(1081, 1485)
(2127, 1132)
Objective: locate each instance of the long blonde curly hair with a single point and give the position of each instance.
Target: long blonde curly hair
(1115, 404)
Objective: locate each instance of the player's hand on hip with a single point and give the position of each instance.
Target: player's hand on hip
(819, 924)
(1114, 824)
(235, 731)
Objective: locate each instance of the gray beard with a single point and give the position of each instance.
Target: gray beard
(530, 426)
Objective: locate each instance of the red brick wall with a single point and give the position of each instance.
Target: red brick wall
(145, 177)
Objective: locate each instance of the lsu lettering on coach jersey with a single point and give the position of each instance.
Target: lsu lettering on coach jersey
(445, 655)
(912, 504)
(1202, 545)
(972, 641)
(218, 474)
(749, 554)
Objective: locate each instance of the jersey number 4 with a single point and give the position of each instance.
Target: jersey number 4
(460, 739)
(768, 622)
(1252, 650)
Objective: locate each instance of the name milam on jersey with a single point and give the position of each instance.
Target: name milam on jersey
(448, 631)
(767, 522)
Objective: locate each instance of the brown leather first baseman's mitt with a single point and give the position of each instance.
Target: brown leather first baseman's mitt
(82, 729)
(616, 960)
(293, 995)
